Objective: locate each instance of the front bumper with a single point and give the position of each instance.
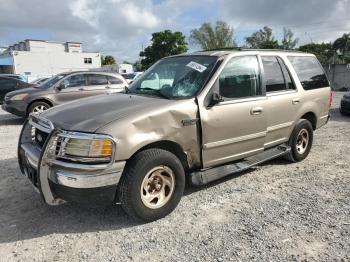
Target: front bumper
(58, 180)
(17, 108)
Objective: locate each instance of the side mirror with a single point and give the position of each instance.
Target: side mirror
(215, 99)
(61, 86)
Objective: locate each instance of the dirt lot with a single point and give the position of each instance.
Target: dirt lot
(277, 211)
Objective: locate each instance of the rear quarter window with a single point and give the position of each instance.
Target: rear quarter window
(309, 71)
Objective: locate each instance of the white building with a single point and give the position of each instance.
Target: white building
(37, 58)
(125, 69)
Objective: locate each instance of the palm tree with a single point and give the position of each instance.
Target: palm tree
(342, 44)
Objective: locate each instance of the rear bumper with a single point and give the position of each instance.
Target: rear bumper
(58, 180)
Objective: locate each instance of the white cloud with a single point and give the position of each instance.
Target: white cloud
(139, 17)
(121, 27)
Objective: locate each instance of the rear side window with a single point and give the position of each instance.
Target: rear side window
(7, 83)
(309, 71)
(277, 77)
(114, 81)
(97, 80)
(240, 78)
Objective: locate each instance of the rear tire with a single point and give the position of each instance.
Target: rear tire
(300, 141)
(38, 107)
(152, 185)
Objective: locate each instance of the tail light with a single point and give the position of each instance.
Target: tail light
(330, 98)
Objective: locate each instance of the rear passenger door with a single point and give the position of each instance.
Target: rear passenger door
(98, 84)
(283, 100)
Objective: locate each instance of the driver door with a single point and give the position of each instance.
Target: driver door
(72, 88)
(235, 127)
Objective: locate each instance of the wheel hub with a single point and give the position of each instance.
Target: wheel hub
(157, 187)
(302, 141)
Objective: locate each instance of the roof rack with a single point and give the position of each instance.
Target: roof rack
(250, 49)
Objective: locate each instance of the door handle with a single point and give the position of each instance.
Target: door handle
(256, 110)
(296, 101)
(81, 89)
(107, 87)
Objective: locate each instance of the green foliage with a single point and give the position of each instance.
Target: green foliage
(209, 37)
(342, 44)
(138, 66)
(323, 51)
(346, 59)
(107, 60)
(127, 62)
(288, 42)
(163, 44)
(262, 39)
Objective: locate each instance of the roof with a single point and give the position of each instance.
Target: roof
(226, 51)
(48, 41)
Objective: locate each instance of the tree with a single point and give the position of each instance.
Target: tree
(163, 44)
(127, 62)
(342, 44)
(107, 60)
(288, 42)
(138, 66)
(324, 51)
(209, 37)
(262, 39)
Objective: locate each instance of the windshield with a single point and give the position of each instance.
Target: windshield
(51, 81)
(175, 77)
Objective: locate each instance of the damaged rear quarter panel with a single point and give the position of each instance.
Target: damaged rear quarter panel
(161, 124)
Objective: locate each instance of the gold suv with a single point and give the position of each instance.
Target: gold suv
(195, 117)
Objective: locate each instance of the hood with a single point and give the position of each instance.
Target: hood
(90, 114)
(26, 90)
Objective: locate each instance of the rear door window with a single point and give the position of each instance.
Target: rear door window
(287, 77)
(309, 71)
(8, 83)
(114, 81)
(273, 73)
(95, 80)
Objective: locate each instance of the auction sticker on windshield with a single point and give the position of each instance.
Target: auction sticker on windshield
(198, 67)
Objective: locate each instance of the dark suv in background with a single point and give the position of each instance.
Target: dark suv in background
(62, 88)
(8, 84)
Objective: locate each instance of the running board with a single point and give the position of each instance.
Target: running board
(203, 177)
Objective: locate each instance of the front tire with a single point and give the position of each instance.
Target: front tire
(300, 141)
(38, 107)
(152, 185)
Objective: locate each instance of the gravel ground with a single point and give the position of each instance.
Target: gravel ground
(277, 211)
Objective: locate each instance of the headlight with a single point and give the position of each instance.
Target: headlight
(18, 97)
(85, 147)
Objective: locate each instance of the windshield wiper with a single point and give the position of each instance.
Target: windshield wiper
(157, 92)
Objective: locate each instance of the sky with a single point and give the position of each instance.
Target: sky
(122, 27)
